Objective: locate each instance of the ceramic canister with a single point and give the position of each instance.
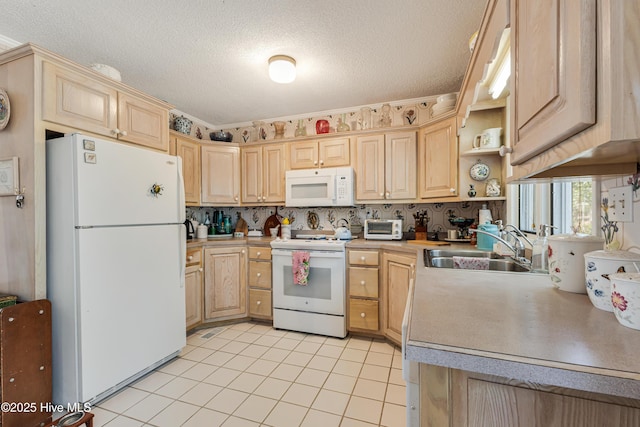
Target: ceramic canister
(625, 297)
(566, 260)
(599, 265)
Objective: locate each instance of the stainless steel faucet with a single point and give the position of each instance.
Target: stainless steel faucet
(517, 249)
(517, 231)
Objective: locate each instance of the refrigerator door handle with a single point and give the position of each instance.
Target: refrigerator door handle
(183, 257)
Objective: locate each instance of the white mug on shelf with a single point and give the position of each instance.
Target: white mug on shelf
(489, 138)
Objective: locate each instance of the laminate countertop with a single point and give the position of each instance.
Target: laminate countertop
(517, 325)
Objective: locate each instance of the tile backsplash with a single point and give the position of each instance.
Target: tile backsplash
(331, 218)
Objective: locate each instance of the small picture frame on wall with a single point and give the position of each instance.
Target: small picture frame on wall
(9, 176)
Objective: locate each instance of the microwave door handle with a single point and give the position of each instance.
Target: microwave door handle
(331, 188)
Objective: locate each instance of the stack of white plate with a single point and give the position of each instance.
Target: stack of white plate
(444, 103)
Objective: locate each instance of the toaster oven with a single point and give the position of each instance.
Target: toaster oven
(383, 229)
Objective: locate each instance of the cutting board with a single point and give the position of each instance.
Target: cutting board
(428, 242)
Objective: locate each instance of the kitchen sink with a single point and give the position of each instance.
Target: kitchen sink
(443, 258)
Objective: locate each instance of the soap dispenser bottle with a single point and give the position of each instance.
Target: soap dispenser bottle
(540, 251)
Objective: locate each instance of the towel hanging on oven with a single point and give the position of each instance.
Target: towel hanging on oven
(300, 267)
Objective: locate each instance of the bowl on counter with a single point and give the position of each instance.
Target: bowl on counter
(599, 266)
(221, 136)
(625, 298)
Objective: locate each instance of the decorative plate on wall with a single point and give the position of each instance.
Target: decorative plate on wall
(479, 171)
(5, 109)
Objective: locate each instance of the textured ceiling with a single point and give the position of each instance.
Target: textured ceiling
(209, 57)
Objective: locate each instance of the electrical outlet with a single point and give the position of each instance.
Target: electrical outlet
(621, 204)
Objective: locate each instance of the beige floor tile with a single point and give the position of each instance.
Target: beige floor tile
(177, 366)
(299, 359)
(341, 383)
(382, 347)
(227, 401)
(230, 334)
(393, 415)
(248, 337)
(254, 350)
(395, 377)
(100, 416)
(276, 333)
(353, 355)
(337, 342)
(396, 394)
(197, 354)
(235, 347)
(397, 361)
(301, 394)
(153, 381)
(362, 409)
(262, 367)
(122, 421)
(346, 367)
(219, 358)
(187, 349)
(320, 339)
(240, 363)
(286, 344)
(215, 343)
(200, 371)
(286, 415)
(376, 373)
(246, 382)
(206, 417)
(176, 387)
(359, 343)
(123, 400)
(260, 329)
(239, 422)
(379, 359)
(267, 340)
(175, 414)
(275, 354)
(255, 408)
(329, 350)
(286, 372)
(296, 335)
(148, 408)
(370, 389)
(307, 347)
(272, 388)
(200, 394)
(222, 377)
(331, 401)
(350, 422)
(312, 377)
(322, 363)
(196, 340)
(243, 326)
(316, 418)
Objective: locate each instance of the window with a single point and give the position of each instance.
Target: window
(564, 204)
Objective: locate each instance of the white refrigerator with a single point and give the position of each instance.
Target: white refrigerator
(115, 264)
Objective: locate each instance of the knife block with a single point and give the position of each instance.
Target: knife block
(421, 232)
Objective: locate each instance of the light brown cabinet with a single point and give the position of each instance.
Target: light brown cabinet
(363, 291)
(263, 171)
(225, 282)
(193, 287)
(260, 282)
(189, 151)
(438, 160)
(81, 101)
(324, 153)
(397, 271)
(220, 174)
(386, 166)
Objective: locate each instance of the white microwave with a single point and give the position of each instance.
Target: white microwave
(320, 187)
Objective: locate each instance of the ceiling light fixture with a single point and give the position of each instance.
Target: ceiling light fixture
(282, 69)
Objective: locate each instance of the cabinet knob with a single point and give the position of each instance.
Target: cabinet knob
(242, 251)
(315, 162)
(123, 132)
(362, 282)
(190, 257)
(258, 253)
(362, 315)
(235, 198)
(452, 190)
(115, 131)
(258, 302)
(504, 150)
(201, 269)
(381, 194)
(322, 162)
(387, 195)
(259, 274)
(363, 258)
(259, 198)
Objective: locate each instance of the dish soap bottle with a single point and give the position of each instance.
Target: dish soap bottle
(540, 251)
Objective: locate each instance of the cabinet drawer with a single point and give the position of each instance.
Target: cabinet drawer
(257, 252)
(260, 274)
(259, 303)
(363, 282)
(363, 314)
(194, 256)
(363, 258)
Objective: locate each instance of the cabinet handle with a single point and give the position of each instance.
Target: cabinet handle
(322, 162)
(235, 198)
(387, 195)
(259, 198)
(452, 190)
(362, 315)
(201, 269)
(123, 132)
(258, 253)
(242, 251)
(190, 257)
(258, 302)
(315, 162)
(259, 274)
(362, 282)
(115, 131)
(363, 258)
(381, 194)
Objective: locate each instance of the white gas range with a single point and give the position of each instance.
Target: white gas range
(318, 306)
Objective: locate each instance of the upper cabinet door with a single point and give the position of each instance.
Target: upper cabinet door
(143, 123)
(273, 159)
(334, 152)
(438, 160)
(75, 100)
(400, 165)
(304, 155)
(553, 52)
(370, 167)
(220, 175)
(190, 153)
(252, 175)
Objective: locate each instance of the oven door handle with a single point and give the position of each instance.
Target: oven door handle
(312, 254)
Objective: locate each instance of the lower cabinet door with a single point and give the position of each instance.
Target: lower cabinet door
(260, 303)
(193, 296)
(363, 314)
